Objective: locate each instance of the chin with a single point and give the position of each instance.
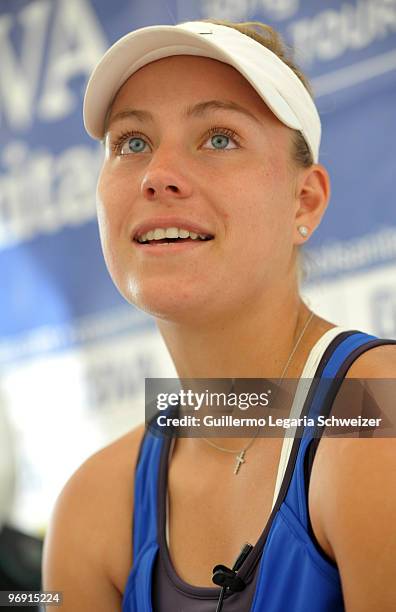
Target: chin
(170, 302)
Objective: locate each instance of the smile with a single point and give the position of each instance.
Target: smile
(170, 235)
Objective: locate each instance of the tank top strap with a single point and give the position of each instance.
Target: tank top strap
(137, 595)
(319, 402)
(145, 519)
(318, 357)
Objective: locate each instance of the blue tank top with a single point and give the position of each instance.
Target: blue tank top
(287, 569)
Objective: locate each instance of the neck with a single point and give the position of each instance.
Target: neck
(254, 342)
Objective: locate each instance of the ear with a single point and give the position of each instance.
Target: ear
(312, 196)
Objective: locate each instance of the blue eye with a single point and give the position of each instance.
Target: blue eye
(135, 144)
(220, 141)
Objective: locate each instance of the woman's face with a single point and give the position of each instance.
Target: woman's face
(191, 145)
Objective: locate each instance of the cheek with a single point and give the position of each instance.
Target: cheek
(259, 219)
(261, 198)
(113, 203)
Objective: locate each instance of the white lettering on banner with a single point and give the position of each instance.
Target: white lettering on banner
(331, 33)
(227, 9)
(243, 9)
(116, 380)
(382, 306)
(88, 329)
(19, 77)
(341, 257)
(41, 193)
(76, 42)
(279, 9)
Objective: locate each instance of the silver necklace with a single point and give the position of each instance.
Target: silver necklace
(241, 453)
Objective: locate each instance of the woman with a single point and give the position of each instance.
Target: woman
(209, 187)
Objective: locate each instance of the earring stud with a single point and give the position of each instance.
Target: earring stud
(303, 230)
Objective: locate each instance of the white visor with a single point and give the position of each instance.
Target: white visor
(274, 81)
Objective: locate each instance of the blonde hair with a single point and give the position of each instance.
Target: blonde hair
(272, 40)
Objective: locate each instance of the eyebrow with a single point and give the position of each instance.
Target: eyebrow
(197, 110)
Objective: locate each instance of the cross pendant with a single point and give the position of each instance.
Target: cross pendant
(239, 460)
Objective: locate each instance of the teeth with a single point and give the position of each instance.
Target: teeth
(170, 232)
(159, 234)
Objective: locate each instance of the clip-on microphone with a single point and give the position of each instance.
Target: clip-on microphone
(227, 578)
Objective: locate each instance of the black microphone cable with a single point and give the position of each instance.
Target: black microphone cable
(227, 577)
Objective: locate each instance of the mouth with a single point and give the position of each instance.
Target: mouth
(171, 239)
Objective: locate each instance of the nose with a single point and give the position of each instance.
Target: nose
(163, 181)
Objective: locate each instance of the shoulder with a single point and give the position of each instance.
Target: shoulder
(377, 362)
(357, 506)
(88, 548)
(356, 494)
